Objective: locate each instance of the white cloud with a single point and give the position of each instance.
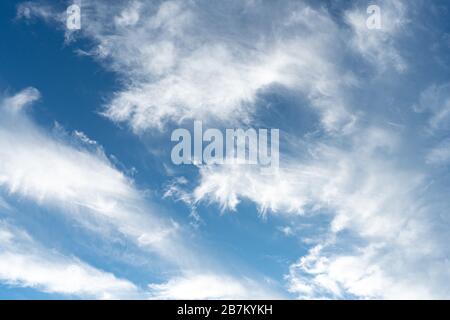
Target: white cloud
(129, 16)
(286, 230)
(297, 183)
(82, 184)
(185, 61)
(227, 184)
(24, 263)
(30, 10)
(85, 186)
(374, 272)
(209, 286)
(21, 100)
(439, 154)
(434, 107)
(434, 102)
(382, 229)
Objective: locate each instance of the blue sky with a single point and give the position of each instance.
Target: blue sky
(91, 205)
